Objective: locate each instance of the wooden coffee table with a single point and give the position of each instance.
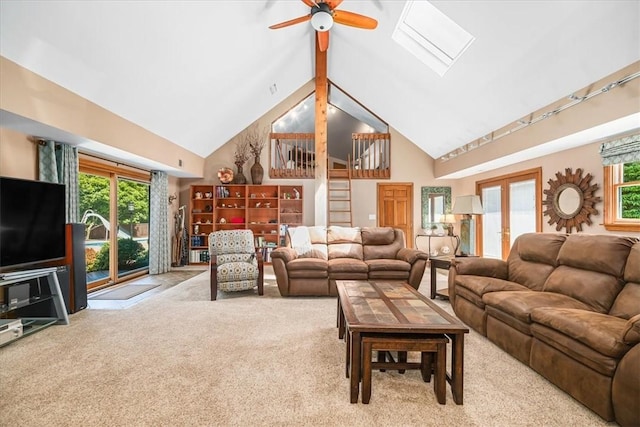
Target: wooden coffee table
(394, 308)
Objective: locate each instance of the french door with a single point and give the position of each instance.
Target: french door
(512, 206)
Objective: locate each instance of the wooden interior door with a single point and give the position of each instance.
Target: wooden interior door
(395, 208)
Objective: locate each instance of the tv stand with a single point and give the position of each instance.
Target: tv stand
(42, 307)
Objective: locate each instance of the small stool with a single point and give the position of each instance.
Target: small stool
(427, 345)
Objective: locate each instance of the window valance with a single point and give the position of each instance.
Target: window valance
(623, 150)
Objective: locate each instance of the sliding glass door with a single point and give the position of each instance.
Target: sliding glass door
(115, 211)
(133, 227)
(95, 207)
(512, 206)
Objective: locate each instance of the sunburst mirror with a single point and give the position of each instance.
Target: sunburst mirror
(570, 200)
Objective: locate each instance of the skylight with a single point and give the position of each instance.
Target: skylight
(431, 36)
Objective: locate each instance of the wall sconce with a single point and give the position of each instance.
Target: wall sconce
(467, 206)
(172, 197)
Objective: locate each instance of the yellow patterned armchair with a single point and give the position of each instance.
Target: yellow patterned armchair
(235, 264)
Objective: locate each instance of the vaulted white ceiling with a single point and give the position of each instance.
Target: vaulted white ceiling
(198, 72)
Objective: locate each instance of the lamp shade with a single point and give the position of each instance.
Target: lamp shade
(448, 219)
(468, 205)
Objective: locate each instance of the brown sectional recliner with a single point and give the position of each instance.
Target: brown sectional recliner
(315, 257)
(568, 307)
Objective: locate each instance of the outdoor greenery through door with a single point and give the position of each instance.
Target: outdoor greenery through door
(115, 210)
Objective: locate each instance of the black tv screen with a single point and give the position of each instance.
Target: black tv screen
(32, 223)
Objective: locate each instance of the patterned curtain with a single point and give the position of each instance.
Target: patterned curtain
(159, 237)
(58, 163)
(624, 150)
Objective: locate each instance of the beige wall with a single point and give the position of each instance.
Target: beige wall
(19, 159)
(223, 157)
(28, 95)
(586, 157)
(408, 164)
(411, 164)
(18, 155)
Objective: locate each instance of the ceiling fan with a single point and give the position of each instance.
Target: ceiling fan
(323, 15)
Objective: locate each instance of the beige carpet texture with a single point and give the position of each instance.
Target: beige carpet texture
(178, 359)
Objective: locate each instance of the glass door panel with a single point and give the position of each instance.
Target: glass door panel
(492, 222)
(115, 212)
(133, 227)
(511, 208)
(95, 208)
(522, 208)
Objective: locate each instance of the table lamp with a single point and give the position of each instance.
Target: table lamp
(467, 206)
(448, 220)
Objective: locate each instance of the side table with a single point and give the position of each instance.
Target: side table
(455, 239)
(435, 263)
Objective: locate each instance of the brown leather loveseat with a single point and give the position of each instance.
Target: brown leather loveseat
(568, 307)
(315, 257)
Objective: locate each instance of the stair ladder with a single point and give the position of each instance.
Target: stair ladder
(339, 197)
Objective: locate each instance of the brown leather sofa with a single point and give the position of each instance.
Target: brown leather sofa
(568, 307)
(315, 257)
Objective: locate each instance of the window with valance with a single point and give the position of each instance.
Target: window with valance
(621, 160)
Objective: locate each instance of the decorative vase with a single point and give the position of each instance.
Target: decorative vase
(257, 172)
(239, 177)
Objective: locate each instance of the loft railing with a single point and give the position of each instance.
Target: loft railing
(371, 154)
(293, 156)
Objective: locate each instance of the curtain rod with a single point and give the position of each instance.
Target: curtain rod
(43, 141)
(118, 164)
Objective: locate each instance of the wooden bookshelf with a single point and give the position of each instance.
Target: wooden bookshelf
(267, 210)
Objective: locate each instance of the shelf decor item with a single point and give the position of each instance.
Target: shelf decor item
(259, 208)
(225, 175)
(257, 139)
(257, 172)
(241, 156)
(240, 178)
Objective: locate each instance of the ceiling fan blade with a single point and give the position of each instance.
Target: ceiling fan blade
(309, 3)
(291, 22)
(354, 19)
(323, 40)
(333, 3)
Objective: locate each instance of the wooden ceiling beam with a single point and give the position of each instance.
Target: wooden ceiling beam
(322, 89)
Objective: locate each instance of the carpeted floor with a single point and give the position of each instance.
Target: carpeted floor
(177, 358)
(127, 294)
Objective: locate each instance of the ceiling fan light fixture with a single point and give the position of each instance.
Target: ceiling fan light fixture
(322, 21)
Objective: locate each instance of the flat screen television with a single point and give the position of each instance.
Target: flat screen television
(32, 224)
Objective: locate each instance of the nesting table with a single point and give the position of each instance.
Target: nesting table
(394, 309)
